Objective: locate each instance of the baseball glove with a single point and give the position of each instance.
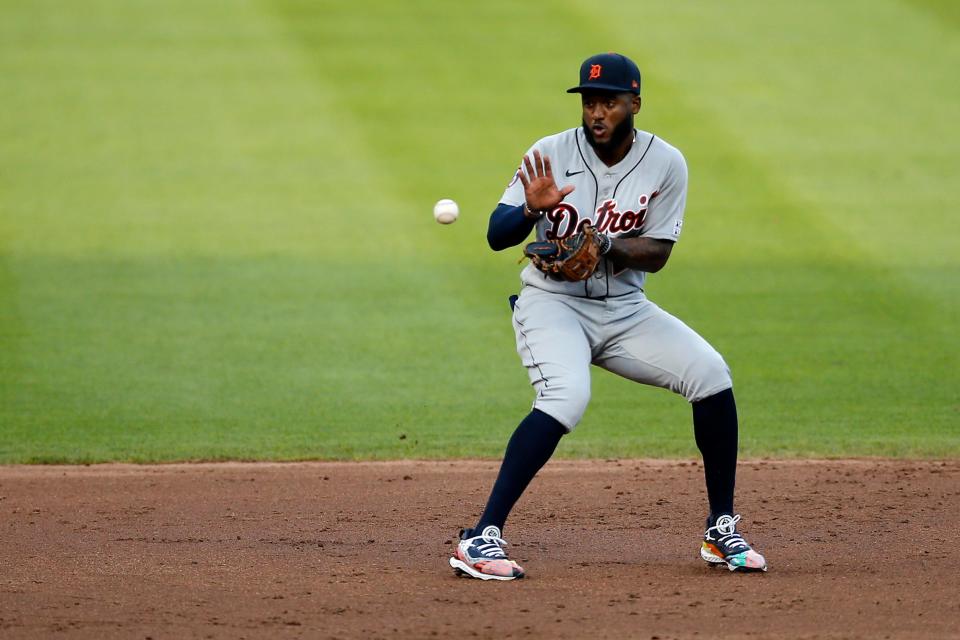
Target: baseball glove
(573, 259)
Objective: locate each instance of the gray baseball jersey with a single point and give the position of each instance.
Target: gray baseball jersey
(642, 195)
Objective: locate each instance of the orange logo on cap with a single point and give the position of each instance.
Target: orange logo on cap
(635, 85)
(595, 71)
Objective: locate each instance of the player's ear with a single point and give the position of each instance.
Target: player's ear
(636, 104)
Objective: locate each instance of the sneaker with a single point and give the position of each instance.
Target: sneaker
(723, 545)
(483, 557)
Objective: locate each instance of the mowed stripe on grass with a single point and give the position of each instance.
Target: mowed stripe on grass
(820, 314)
(187, 196)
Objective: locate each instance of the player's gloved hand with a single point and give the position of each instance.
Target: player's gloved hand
(572, 259)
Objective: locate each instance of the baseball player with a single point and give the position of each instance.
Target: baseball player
(614, 196)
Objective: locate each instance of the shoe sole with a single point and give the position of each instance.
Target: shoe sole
(462, 569)
(716, 561)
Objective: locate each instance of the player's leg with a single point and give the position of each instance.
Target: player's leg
(554, 349)
(651, 346)
(715, 430)
(531, 445)
(479, 552)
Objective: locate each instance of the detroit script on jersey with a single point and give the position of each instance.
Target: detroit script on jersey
(642, 195)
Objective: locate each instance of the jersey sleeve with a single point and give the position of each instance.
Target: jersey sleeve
(665, 214)
(513, 195)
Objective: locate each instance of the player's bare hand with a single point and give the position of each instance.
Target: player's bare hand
(539, 187)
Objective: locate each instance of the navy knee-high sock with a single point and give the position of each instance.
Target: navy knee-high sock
(715, 430)
(530, 446)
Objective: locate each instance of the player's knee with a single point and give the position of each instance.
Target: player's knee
(577, 401)
(707, 376)
(567, 402)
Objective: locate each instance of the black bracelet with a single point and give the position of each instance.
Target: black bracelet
(606, 243)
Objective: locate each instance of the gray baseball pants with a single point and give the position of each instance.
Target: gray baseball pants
(560, 336)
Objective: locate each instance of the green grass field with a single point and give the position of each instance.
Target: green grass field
(216, 239)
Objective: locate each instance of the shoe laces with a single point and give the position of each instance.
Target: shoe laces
(726, 528)
(489, 546)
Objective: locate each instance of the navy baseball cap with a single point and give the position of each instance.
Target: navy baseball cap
(608, 72)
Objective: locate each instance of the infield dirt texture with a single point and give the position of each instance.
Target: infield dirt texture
(859, 549)
(216, 244)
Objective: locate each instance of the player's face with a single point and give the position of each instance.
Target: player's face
(608, 117)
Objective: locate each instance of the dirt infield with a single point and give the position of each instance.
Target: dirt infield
(857, 549)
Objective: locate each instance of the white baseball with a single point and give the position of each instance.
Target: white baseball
(446, 211)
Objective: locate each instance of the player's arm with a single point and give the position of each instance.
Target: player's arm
(508, 226)
(651, 251)
(643, 254)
